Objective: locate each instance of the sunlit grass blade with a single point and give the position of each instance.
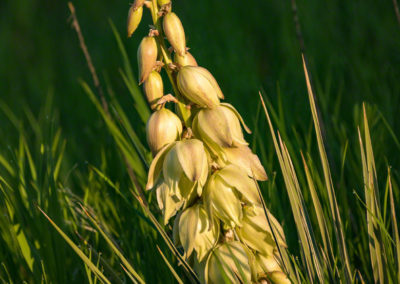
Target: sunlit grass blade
(323, 228)
(376, 248)
(297, 205)
(333, 206)
(85, 259)
(395, 231)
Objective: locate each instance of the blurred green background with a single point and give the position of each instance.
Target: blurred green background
(353, 48)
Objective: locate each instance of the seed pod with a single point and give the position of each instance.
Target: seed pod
(147, 57)
(163, 127)
(184, 168)
(134, 18)
(153, 88)
(168, 203)
(163, 2)
(197, 231)
(243, 157)
(199, 86)
(220, 128)
(256, 233)
(185, 59)
(173, 29)
(231, 261)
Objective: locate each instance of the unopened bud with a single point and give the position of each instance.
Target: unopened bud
(230, 262)
(163, 127)
(147, 57)
(185, 59)
(173, 29)
(134, 18)
(199, 86)
(153, 88)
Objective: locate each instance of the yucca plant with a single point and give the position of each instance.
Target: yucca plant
(203, 218)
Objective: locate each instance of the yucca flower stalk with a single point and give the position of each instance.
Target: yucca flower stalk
(203, 171)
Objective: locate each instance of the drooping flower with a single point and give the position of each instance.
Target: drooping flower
(220, 128)
(228, 262)
(197, 231)
(256, 230)
(183, 167)
(199, 86)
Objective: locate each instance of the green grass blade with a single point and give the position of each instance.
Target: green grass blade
(178, 279)
(114, 247)
(85, 259)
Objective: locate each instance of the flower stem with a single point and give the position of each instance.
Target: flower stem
(183, 111)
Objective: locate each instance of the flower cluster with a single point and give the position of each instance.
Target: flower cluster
(203, 172)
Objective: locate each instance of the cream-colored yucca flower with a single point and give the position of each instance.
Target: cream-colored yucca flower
(196, 231)
(269, 268)
(163, 127)
(256, 232)
(168, 203)
(183, 167)
(199, 86)
(222, 264)
(225, 191)
(220, 128)
(243, 157)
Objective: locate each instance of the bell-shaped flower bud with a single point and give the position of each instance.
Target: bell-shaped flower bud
(243, 157)
(147, 57)
(220, 128)
(183, 167)
(197, 231)
(228, 263)
(185, 59)
(225, 191)
(168, 203)
(199, 86)
(163, 127)
(256, 232)
(174, 32)
(134, 17)
(153, 88)
(268, 268)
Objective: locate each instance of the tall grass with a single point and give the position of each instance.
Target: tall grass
(63, 222)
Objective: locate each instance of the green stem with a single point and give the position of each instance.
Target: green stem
(182, 110)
